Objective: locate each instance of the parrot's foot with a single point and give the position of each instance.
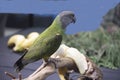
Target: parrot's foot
(55, 61)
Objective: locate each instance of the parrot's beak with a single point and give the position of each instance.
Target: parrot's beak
(74, 19)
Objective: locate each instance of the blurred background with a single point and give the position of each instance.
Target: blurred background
(19, 14)
(101, 45)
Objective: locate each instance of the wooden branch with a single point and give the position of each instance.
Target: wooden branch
(49, 69)
(92, 73)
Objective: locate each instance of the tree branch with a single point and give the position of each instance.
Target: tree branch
(49, 69)
(55, 63)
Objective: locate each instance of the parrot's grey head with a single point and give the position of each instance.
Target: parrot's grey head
(67, 17)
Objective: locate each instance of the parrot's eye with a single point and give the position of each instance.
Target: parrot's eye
(70, 17)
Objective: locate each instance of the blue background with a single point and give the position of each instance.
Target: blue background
(89, 13)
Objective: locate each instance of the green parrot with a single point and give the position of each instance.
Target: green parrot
(48, 41)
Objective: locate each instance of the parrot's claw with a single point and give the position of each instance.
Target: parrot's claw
(55, 61)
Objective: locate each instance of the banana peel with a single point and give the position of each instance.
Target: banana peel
(79, 59)
(85, 66)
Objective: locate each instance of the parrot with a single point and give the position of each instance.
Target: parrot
(47, 42)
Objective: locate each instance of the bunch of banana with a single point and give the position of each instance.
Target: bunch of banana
(19, 42)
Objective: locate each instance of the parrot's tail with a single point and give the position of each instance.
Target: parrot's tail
(19, 65)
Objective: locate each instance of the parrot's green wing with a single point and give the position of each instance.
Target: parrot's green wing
(49, 46)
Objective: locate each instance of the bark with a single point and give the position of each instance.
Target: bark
(93, 72)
